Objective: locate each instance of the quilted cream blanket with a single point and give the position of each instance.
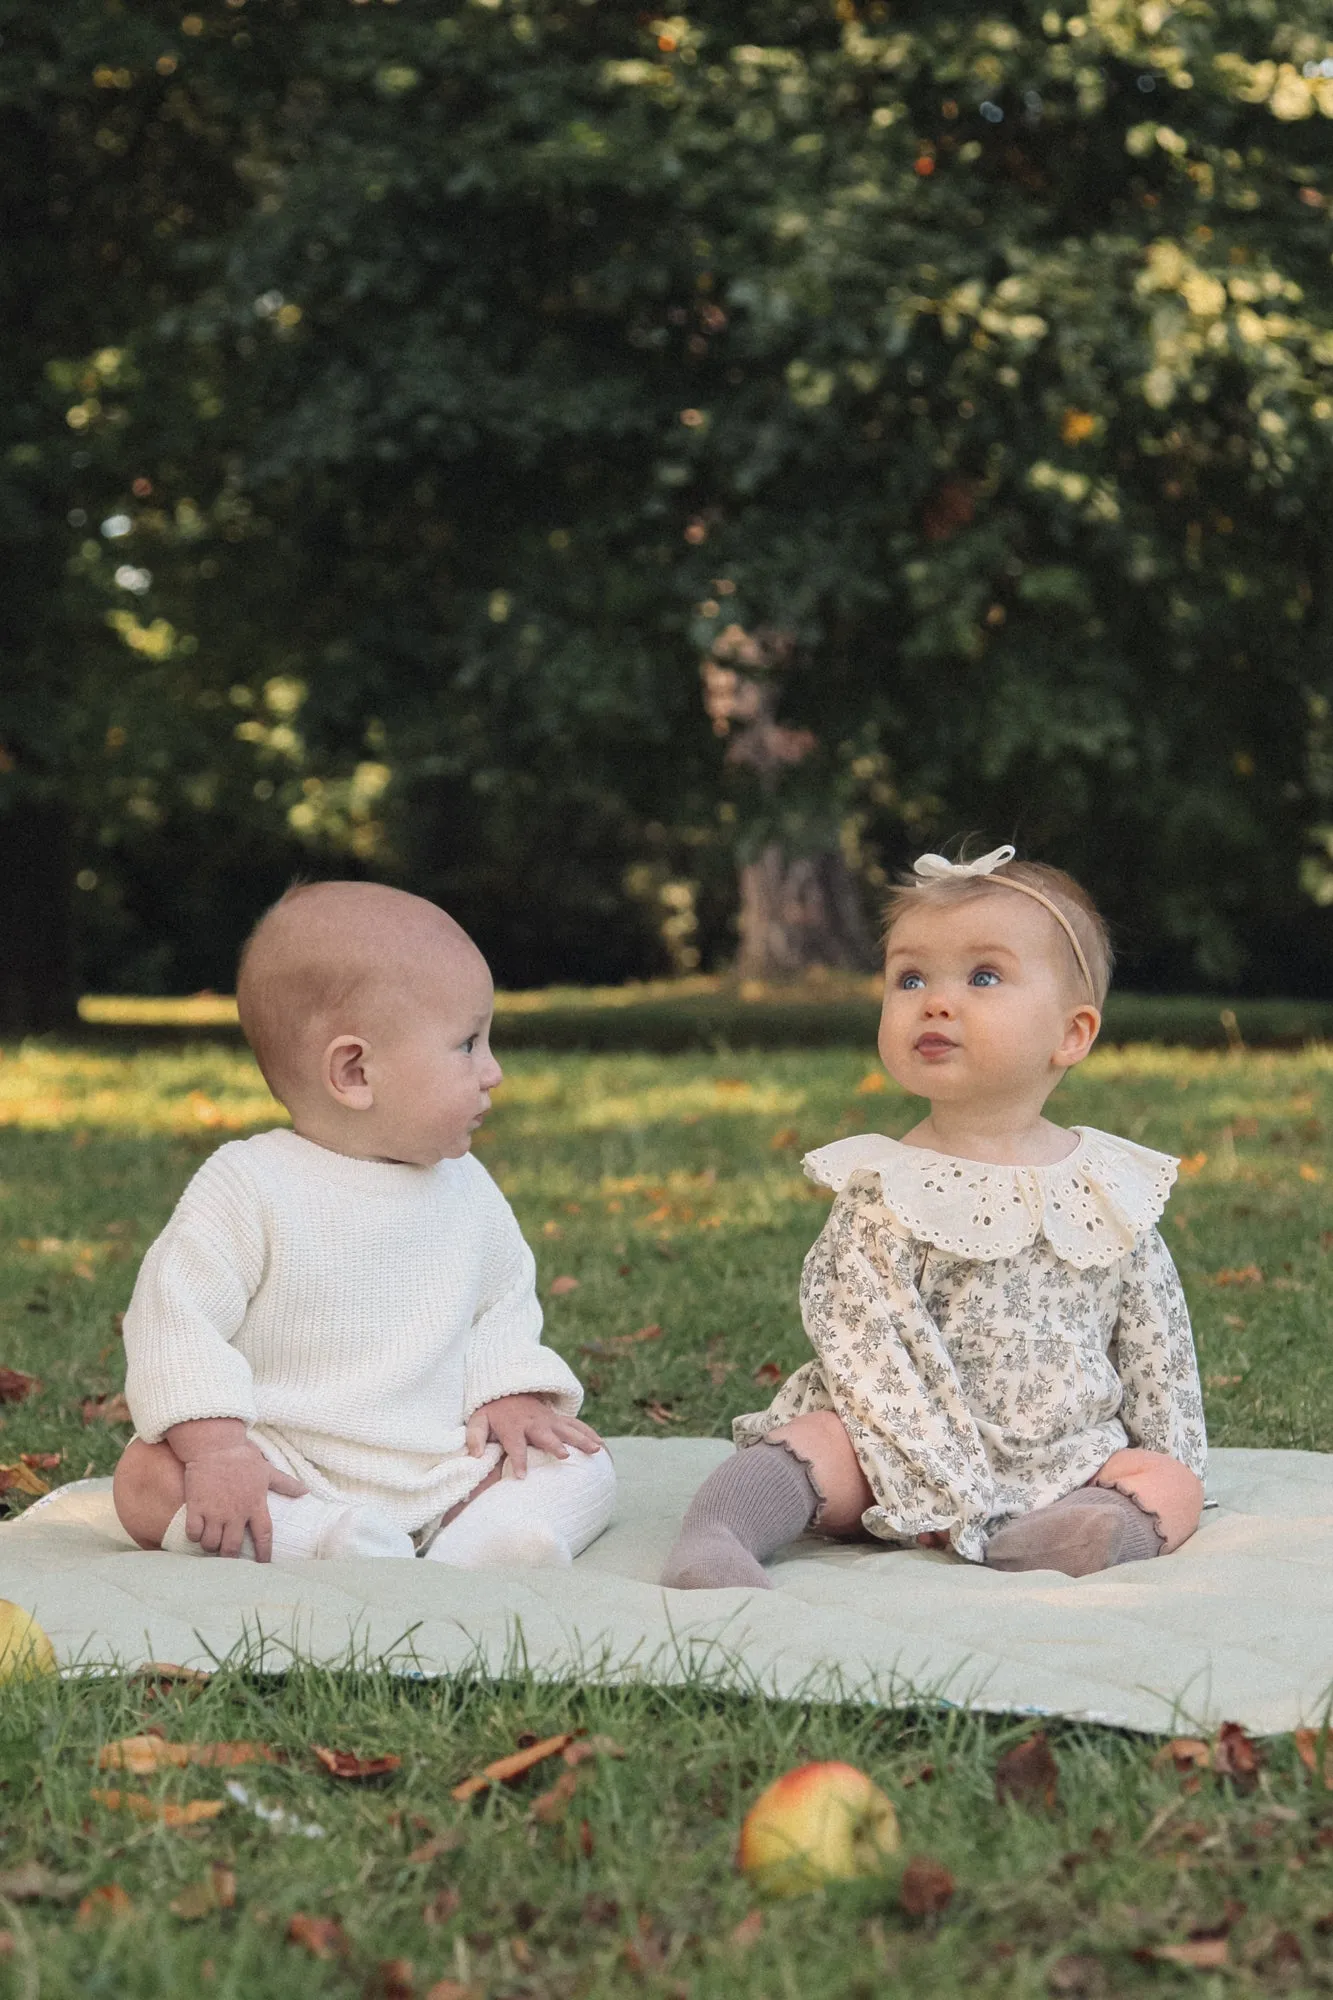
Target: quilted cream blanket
(1238, 1626)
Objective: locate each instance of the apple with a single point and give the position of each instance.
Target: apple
(818, 1823)
(24, 1647)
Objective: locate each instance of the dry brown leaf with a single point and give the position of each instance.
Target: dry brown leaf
(1200, 1954)
(21, 1478)
(562, 1287)
(768, 1375)
(41, 1461)
(659, 1412)
(141, 1756)
(451, 1989)
(110, 1900)
(1307, 1749)
(1242, 1274)
(34, 1882)
(322, 1937)
(167, 1673)
(872, 1083)
(440, 1908)
(347, 1765)
(169, 1813)
(788, 1140)
(1236, 1755)
(441, 1843)
(1028, 1774)
(217, 1891)
(105, 1410)
(1183, 1753)
(392, 1979)
(550, 1807)
(1077, 1976)
(718, 1371)
(621, 1343)
(584, 1747)
(514, 1766)
(6, 1944)
(927, 1888)
(16, 1387)
(748, 1931)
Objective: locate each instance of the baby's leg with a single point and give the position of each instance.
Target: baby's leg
(1141, 1504)
(550, 1516)
(148, 1490)
(764, 1497)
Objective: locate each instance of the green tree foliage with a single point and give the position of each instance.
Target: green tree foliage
(961, 378)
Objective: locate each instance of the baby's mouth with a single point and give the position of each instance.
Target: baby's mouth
(933, 1045)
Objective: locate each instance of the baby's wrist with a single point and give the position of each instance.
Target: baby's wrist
(206, 1437)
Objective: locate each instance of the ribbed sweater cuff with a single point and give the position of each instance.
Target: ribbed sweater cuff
(152, 1423)
(536, 1372)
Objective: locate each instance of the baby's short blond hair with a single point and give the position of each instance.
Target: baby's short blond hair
(915, 892)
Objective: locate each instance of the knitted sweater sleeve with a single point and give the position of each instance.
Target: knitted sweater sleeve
(505, 1355)
(189, 1301)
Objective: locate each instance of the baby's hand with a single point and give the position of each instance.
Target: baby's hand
(515, 1422)
(227, 1484)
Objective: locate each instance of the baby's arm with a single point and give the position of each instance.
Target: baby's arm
(516, 1391)
(1162, 1410)
(190, 1391)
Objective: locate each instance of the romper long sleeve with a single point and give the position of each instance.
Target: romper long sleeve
(353, 1314)
(988, 1335)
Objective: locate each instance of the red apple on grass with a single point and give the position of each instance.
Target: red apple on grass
(818, 1823)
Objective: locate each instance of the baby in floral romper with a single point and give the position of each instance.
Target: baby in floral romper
(1004, 1363)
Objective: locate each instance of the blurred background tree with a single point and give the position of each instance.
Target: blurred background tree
(638, 480)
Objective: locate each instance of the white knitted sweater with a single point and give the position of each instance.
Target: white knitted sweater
(352, 1313)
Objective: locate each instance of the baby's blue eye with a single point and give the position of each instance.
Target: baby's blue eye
(469, 1045)
(984, 977)
(911, 982)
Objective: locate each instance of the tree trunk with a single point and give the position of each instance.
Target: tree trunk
(800, 913)
(37, 983)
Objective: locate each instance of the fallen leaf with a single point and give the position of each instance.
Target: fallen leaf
(1222, 1381)
(1235, 1755)
(1193, 1163)
(768, 1374)
(1183, 1753)
(21, 1478)
(550, 1807)
(16, 1387)
(1200, 1954)
(322, 1937)
(925, 1776)
(1243, 1274)
(6, 1944)
(110, 1900)
(141, 1756)
(41, 1461)
(1077, 1976)
(561, 1287)
(730, 1086)
(659, 1413)
(441, 1843)
(1283, 1953)
(927, 1888)
(1028, 1774)
(166, 1673)
(1310, 1173)
(217, 1891)
(170, 1814)
(718, 1371)
(345, 1764)
(748, 1931)
(587, 1845)
(105, 1410)
(392, 1979)
(788, 1140)
(1307, 1743)
(34, 1882)
(621, 1343)
(513, 1766)
(450, 1989)
(872, 1084)
(439, 1910)
(584, 1747)
(600, 1909)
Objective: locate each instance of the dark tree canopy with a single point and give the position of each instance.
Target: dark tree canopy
(411, 398)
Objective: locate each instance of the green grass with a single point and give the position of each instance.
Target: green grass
(670, 1188)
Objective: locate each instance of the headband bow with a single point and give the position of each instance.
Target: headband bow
(932, 867)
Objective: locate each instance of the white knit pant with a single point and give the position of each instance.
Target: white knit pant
(550, 1516)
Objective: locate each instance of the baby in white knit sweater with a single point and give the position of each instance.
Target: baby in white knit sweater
(334, 1346)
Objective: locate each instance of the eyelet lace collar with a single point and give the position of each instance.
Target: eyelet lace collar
(1092, 1207)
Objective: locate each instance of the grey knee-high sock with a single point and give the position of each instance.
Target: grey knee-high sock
(749, 1508)
(1094, 1528)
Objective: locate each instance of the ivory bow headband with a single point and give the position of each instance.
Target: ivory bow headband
(936, 868)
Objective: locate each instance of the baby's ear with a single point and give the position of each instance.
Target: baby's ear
(344, 1073)
(1081, 1031)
